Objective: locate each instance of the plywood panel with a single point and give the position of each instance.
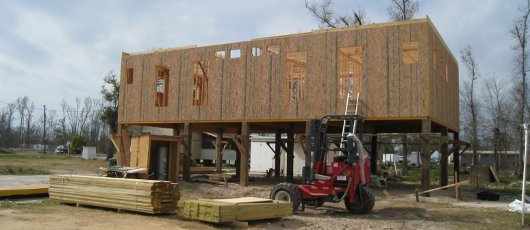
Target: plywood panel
(122, 116)
(276, 76)
(394, 73)
(288, 45)
(376, 62)
(212, 111)
(330, 76)
(234, 87)
(258, 74)
(422, 79)
(148, 83)
(144, 151)
(135, 149)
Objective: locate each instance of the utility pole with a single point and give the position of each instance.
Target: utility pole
(44, 133)
(523, 189)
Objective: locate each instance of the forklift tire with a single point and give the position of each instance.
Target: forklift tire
(287, 192)
(363, 204)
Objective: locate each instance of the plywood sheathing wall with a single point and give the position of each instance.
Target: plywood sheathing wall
(253, 87)
(444, 81)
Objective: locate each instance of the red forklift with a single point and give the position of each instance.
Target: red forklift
(340, 169)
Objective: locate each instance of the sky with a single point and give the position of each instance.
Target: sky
(58, 50)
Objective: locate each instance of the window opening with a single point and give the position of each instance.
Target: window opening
(235, 53)
(256, 51)
(273, 49)
(410, 52)
(162, 86)
(295, 76)
(350, 70)
(129, 76)
(200, 83)
(220, 55)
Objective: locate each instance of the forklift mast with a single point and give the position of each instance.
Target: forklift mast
(319, 139)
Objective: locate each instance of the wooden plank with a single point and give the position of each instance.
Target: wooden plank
(242, 200)
(118, 145)
(24, 190)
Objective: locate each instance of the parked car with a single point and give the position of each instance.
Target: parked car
(61, 149)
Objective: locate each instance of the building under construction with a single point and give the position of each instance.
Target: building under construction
(404, 73)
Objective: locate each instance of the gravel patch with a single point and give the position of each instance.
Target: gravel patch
(17, 180)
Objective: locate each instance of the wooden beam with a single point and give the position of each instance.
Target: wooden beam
(418, 193)
(425, 156)
(117, 141)
(405, 170)
(277, 153)
(290, 153)
(186, 135)
(245, 154)
(219, 150)
(173, 167)
(443, 160)
(373, 155)
(456, 157)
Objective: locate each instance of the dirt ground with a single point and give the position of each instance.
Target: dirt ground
(395, 207)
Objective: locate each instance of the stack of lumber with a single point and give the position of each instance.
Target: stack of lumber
(230, 210)
(148, 196)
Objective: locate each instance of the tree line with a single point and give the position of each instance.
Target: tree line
(88, 120)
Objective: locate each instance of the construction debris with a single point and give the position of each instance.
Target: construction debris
(230, 210)
(148, 196)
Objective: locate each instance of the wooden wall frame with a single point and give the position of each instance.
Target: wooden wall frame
(142, 152)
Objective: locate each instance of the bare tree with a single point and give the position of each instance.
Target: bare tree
(21, 104)
(86, 113)
(519, 33)
(76, 115)
(471, 105)
(401, 10)
(494, 99)
(324, 14)
(29, 116)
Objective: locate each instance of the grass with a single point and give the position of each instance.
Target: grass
(6, 151)
(44, 202)
(414, 173)
(21, 170)
(32, 163)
